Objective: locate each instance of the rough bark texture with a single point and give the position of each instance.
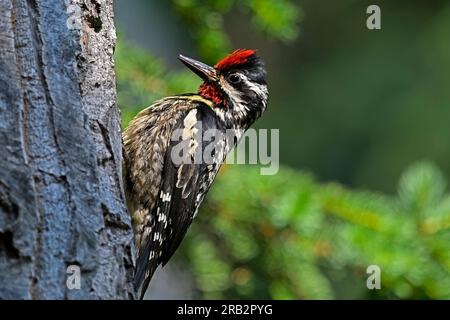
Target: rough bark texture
(61, 195)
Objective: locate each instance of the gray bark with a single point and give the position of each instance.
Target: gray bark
(61, 195)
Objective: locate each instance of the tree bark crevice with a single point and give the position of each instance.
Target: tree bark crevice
(61, 194)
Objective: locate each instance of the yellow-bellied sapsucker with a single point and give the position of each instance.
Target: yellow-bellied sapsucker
(166, 172)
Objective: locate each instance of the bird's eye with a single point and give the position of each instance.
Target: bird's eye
(234, 78)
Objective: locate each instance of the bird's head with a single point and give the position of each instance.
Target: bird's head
(236, 85)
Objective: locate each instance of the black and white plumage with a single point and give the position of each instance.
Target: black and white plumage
(166, 172)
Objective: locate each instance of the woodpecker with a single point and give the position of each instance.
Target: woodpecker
(163, 195)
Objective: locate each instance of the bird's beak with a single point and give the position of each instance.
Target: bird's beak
(204, 71)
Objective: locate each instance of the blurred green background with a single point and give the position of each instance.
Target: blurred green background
(363, 118)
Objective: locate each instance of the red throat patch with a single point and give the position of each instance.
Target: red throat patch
(237, 57)
(210, 92)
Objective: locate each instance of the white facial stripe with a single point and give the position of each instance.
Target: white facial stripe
(259, 89)
(232, 93)
(240, 108)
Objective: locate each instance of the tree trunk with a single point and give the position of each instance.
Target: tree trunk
(62, 206)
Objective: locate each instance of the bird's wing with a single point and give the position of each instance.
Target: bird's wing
(187, 176)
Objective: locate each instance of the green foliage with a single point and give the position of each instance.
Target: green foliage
(360, 105)
(142, 79)
(287, 236)
(277, 19)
